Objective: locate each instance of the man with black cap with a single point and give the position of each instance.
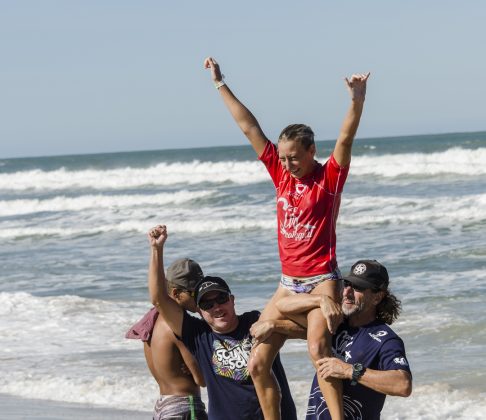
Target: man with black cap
(180, 395)
(368, 356)
(221, 342)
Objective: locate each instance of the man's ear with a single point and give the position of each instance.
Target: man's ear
(174, 293)
(378, 297)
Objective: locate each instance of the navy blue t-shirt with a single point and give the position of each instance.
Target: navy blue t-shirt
(377, 347)
(223, 359)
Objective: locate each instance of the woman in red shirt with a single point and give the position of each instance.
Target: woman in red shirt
(308, 199)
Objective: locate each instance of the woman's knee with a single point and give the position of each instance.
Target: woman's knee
(259, 366)
(318, 347)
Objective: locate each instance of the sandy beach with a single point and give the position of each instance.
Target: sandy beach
(21, 408)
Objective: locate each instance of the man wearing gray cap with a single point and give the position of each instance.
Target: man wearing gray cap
(368, 356)
(179, 387)
(222, 341)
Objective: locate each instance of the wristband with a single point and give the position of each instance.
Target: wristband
(217, 85)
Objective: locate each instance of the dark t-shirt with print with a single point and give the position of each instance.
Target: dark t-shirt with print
(223, 359)
(377, 347)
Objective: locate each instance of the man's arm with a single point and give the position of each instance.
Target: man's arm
(261, 330)
(357, 89)
(295, 305)
(241, 114)
(172, 313)
(390, 382)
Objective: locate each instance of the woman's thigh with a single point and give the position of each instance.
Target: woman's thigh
(331, 288)
(264, 353)
(270, 311)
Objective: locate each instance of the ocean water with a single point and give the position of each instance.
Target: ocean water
(73, 258)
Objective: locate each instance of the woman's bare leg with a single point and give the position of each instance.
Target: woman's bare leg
(261, 361)
(319, 345)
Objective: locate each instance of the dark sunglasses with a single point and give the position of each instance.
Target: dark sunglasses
(221, 299)
(347, 283)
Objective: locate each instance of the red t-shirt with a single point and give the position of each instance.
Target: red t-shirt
(307, 210)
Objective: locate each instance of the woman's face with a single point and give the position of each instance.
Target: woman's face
(295, 158)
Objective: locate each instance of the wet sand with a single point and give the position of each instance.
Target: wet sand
(21, 408)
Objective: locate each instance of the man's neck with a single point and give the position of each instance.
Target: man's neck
(230, 329)
(361, 319)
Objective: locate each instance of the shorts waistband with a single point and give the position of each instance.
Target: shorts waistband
(174, 405)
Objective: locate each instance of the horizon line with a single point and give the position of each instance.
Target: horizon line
(391, 137)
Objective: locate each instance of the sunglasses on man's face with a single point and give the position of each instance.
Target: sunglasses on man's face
(220, 299)
(347, 283)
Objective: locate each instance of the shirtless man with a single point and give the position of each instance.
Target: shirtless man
(171, 364)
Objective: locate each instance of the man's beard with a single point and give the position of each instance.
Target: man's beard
(352, 310)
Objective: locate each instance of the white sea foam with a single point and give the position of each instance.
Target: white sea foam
(62, 324)
(113, 202)
(50, 346)
(195, 172)
(458, 161)
(116, 391)
(104, 214)
(439, 211)
(135, 226)
(51, 349)
(427, 402)
(436, 401)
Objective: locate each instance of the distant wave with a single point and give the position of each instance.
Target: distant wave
(195, 226)
(458, 161)
(61, 203)
(455, 161)
(439, 212)
(162, 174)
(361, 211)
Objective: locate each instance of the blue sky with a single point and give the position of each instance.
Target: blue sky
(100, 76)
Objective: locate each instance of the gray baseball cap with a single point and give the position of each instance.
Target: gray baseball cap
(185, 273)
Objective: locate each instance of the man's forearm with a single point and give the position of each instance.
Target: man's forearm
(157, 282)
(389, 382)
(171, 312)
(289, 328)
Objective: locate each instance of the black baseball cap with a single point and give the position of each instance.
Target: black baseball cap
(210, 284)
(185, 273)
(369, 274)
